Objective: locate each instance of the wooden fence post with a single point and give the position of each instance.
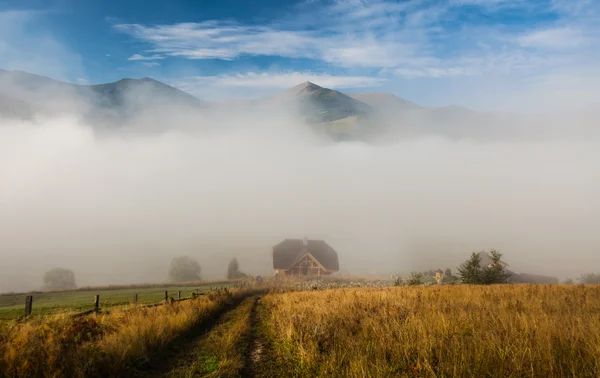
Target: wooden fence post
(96, 303)
(166, 296)
(28, 305)
(179, 295)
(135, 298)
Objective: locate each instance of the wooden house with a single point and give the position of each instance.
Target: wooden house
(297, 257)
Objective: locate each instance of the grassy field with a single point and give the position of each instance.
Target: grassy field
(44, 303)
(274, 330)
(448, 331)
(121, 343)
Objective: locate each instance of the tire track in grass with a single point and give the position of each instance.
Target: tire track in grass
(181, 352)
(255, 345)
(223, 351)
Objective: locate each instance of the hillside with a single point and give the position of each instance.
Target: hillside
(22, 94)
(140, 91)
(317, 104)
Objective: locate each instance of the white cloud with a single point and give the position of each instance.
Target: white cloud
(151, 64)
(82, 80)
(433, 72)
(416, 39)
(553, 38)
(141, 57)
(221, 40)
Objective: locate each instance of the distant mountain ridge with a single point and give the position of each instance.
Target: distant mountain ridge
(150, 103)
(315, 104)
(146, 104)
(102, 104)
(115, 94)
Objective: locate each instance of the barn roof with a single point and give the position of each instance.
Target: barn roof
(486, 259)
(289, 250)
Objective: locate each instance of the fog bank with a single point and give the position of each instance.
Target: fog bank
(117, 207)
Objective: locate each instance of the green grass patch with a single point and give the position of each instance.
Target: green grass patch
(12, 306)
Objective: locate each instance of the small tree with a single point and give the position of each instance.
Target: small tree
(184, 268)
(448, 273)
(470, 271)
(233, 270)
(414, 279)
(59, 278)
(495, 272)
(569, 281)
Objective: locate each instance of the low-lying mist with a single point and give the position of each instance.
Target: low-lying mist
(116, 207)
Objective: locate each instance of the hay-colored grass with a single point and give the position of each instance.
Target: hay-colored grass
(107, 345)
(449, 331)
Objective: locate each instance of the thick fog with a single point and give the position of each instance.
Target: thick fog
(117, 206)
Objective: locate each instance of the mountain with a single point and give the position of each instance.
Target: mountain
(102, 105)
(319, 105)
(149, 105)
(139, 91)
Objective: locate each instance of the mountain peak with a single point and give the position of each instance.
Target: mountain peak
(306, 86)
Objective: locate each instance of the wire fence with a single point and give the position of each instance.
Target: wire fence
(136, 300)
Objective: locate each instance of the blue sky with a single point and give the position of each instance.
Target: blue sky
(501, 54)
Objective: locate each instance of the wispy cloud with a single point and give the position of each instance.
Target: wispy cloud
(409, 39)
(151, 64)
(142, 57)
(554, 38)
(433, 72)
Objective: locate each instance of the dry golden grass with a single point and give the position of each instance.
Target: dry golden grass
(449, 331)
(103, 345)
(221, 353)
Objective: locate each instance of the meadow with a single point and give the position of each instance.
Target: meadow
(445, 331)
(121, 343)
(282, 329)
(51, 302)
